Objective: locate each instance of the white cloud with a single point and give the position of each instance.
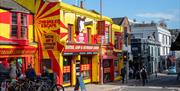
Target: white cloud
(157, 15)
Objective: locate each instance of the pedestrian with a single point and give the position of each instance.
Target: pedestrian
(143, 75)
(130, 73)
(45, 73)
(30, 73)
(123, 74)
(13, 72)
(178, 75)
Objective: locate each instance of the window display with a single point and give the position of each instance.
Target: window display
(66, 70)
(85, 68)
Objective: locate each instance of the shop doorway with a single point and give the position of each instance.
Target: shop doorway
(67, 70)
(107, 70)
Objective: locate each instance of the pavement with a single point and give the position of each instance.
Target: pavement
(113, 86)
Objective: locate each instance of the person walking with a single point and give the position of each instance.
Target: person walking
(123, 74)
(143, 75)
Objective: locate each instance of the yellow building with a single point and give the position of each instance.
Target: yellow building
(69, 41)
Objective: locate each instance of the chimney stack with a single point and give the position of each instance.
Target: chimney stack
(81, 4)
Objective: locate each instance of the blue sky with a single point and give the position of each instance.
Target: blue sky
(141, 10)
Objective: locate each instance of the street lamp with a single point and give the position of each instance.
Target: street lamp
(101, 58)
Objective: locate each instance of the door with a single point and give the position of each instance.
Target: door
(107, 74)
(67, 70)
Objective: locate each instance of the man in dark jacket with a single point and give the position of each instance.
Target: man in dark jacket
(30, 73)
(123, 73)
(143, 75)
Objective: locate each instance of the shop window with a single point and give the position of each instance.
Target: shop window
(66, 70)
(85, 74)
(107, 77)
(70, 32)
(85, 60)
(116, 67)
(106, 63)
(85, 68)
(107, 38)
(46, 62)
(66, 77)
(66, 62)
(117, 40)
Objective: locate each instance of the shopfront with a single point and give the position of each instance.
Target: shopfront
(77, 60)
(112, 64)
(118, 64)
(20, 56)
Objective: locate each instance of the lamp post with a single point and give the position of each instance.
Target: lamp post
(101, 58)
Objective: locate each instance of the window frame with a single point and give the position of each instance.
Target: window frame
(19, 26)
(88, 35)
(11, 26)
(24, 36)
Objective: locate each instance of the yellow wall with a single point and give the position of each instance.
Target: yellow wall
(95, 68)
(4, 30)
(30, 33)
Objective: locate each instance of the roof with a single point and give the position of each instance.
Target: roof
(118, 21)
(12, 6)
(145, 25)
(82, 11)
(176, 45)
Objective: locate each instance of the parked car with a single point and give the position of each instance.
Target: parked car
(172, 70)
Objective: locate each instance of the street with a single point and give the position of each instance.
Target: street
(160, 83)
(146, 88)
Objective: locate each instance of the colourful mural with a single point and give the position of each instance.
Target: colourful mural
(47, 33)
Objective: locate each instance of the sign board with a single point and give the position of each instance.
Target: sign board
(81, 48)
(79, 53)
(49, 42)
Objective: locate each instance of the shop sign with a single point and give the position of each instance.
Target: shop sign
(49, 42)
(81, 47)
(16, 51)
(80, 53)
(49, 23)
(106, 70)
